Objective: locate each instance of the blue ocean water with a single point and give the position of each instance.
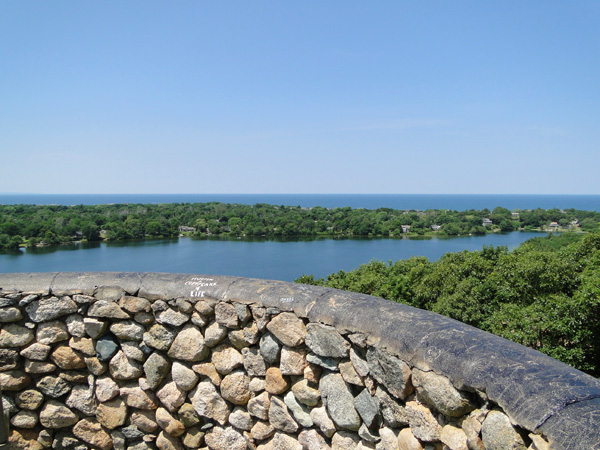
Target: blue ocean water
(459, 202)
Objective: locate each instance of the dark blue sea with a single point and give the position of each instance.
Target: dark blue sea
(458, 202)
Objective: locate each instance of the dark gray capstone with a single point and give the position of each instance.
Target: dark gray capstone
(326, 341)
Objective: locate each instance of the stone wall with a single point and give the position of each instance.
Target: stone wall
(163, 361)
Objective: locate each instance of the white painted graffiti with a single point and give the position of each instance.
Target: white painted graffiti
(200, 283)
(197, 292)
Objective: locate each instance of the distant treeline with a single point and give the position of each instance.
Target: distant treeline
(545, 294)
(52, 224)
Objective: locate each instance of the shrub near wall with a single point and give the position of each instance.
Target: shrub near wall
(147, 361)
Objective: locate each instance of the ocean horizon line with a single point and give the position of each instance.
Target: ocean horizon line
(458, 202)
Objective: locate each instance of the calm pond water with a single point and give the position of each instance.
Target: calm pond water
(269, 259)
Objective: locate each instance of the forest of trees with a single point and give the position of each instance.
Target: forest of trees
(545, 294)
(32, 225)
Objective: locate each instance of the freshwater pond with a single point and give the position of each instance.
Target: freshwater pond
(257, 258)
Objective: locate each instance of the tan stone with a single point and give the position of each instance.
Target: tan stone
(259, 406)
(167, 442)
(95, 366)
(235, 388)
(208, 370)
(14, 380)
(66, 358)
(262, 430)
(208, 403)
(497, 433)
(538, 442)
(12, 336)
(38, 367)
(408, 441)
(311, 440)
(83, 345)
(168, 423)
(134, 304)
(312, 373)
(29, 399)
(189, 345)
(171, 396)
(226, 359)
(288, 328)
(193, 438)
(24, 440)
(422, 423)
(349, 373)
(454, 438)
(293, 361)
(91, 432)
(305, 394)
(112, 414)
(123, 368)
(145, 420)
(275, 382)
(24, 419)
(137, 398)
(36, 351)
(218, 438)
(51, 332)
(344, 440)
(389, 439)
(56, 415)
(106, 389)
(322, 420)
(283, 441)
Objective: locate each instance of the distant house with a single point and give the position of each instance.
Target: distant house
(183, 228)
(486, 222)
(436, 227)
(575, 223)
(553, 226)
(405, 228)
(515, 215)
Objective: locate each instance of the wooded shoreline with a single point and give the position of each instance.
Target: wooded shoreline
(31, 225)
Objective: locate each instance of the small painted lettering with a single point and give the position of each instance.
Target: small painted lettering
(200, 283)
(286, 299)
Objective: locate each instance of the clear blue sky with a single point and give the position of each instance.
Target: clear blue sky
(300, 97)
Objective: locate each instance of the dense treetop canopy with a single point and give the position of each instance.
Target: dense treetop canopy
(52, 224)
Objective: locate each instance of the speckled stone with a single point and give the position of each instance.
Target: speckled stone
(208, 403)
(288, 329)
(56, 415)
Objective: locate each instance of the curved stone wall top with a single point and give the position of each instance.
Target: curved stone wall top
(537, 392)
